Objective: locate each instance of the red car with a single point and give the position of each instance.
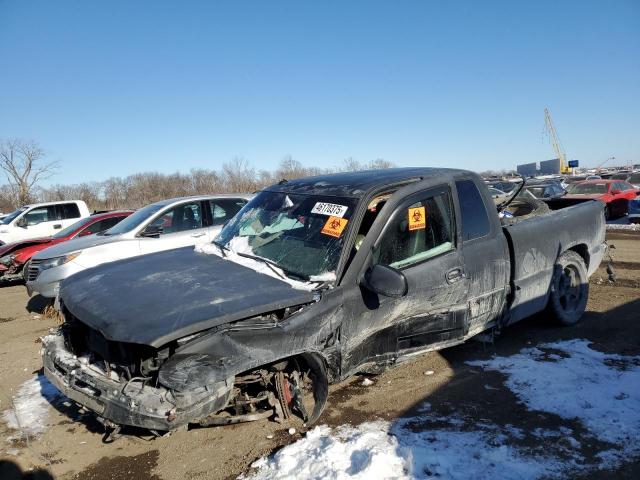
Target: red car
(13, 256)
(615, 193)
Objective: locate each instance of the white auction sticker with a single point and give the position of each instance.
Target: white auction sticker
(330, 209)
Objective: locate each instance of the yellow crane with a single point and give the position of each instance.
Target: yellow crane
(555, 141)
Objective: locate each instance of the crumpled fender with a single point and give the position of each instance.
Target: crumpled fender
(218, 356)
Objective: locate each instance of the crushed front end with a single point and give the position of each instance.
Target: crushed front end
(161, 389)
(119, 382)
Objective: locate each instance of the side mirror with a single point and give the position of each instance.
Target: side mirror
(616, 192)
(386, 281)
(22, 223)
(152, 231)
(85, 233)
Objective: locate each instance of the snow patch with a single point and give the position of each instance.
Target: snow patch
(383, 450)
(600, 390)
(631, 226)
(31, 404)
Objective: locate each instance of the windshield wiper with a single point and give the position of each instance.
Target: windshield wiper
(273, 266)
(223, 248)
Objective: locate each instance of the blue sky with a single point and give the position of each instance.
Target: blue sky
(113, 88)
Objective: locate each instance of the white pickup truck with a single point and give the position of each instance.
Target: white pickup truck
(41, 220)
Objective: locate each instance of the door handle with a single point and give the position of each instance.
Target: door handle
(196, 235)
(454, 275)
(57, 226)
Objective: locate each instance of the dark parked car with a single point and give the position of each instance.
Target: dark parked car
(503, 186)
(545, 190)
(630, 177)
(313, 280)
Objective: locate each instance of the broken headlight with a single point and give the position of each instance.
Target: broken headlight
(7, 260)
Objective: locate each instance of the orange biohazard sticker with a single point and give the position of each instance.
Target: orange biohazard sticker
(334, 226)
(417, 218)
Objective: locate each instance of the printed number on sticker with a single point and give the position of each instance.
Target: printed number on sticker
(417, 218)
(331, 209)
(334, 226)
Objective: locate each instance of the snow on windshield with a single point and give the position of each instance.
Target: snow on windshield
(241, 245)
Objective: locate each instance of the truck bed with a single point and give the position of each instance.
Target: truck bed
(536, 243)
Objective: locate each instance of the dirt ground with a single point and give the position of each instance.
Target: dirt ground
(72, 447)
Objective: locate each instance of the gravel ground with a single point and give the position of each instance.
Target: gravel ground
(70, 445)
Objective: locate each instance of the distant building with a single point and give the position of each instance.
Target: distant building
(527, 169)
(547, 167)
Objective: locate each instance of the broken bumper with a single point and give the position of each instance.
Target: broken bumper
(127, 403)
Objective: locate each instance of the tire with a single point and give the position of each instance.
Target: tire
(569, 289)
(525, 208)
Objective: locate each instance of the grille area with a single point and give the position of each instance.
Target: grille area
(33, 270)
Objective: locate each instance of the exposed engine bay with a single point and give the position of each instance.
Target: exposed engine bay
(122, 383)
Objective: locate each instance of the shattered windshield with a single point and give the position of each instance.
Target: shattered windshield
(300, 234)
(9, 218)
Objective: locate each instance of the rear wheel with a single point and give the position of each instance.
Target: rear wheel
(569, 289)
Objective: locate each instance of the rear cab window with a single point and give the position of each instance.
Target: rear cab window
(473, 212)
(66, 211)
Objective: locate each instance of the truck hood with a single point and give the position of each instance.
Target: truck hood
(160, 297)
(75, 244)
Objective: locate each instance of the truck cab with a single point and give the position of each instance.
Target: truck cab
(41, 220)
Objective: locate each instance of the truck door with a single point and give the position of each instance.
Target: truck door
(486, 256)
(419, 239)
(39, 222)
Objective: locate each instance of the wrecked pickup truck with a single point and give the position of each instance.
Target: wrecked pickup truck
(312, 281)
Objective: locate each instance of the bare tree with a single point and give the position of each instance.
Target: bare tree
(22, 162)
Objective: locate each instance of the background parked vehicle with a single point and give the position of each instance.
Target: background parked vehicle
(616, 194)
(40, 220)
(164, 225)
(634, 210)
(13, 256)
(545, 190)
(503, 185)
(498, 195)
(630, 177)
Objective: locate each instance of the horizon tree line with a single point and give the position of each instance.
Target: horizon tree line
(25, 166)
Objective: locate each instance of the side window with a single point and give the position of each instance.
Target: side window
(39, 215)
(101, 226)
(67, 211)
(224, 209)
(180, 218)
(475, 223)
(417, 232)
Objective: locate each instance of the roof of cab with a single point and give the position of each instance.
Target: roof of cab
(355, 184)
